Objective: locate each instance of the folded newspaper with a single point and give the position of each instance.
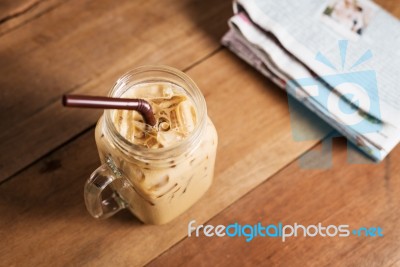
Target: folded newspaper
(340, 58)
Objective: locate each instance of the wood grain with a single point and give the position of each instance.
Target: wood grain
(50, 47)
(43, 215)
(392, 6)
(14, 13)
(84, 46)
(360, 195)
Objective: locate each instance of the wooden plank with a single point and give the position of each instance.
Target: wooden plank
(363, 195)
(358, 195)
(392, 6)
(84, 46)
(10, 8)
(14, 13)
(43, 215)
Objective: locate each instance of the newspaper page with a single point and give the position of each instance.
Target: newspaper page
(310, 30)
(272, 61)
(239, 46)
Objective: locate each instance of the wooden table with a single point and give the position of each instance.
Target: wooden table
(52, 47)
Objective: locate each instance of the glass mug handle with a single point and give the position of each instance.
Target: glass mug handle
(101, 179)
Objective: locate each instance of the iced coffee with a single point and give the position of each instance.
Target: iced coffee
(158, 171)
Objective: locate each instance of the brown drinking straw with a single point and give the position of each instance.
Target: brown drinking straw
(85, 101)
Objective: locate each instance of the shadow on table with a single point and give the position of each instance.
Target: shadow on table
(52, 190)
(210, 16)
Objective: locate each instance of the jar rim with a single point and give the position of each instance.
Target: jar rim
(192, 91)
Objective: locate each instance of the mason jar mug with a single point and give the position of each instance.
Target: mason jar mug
(155, 184)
